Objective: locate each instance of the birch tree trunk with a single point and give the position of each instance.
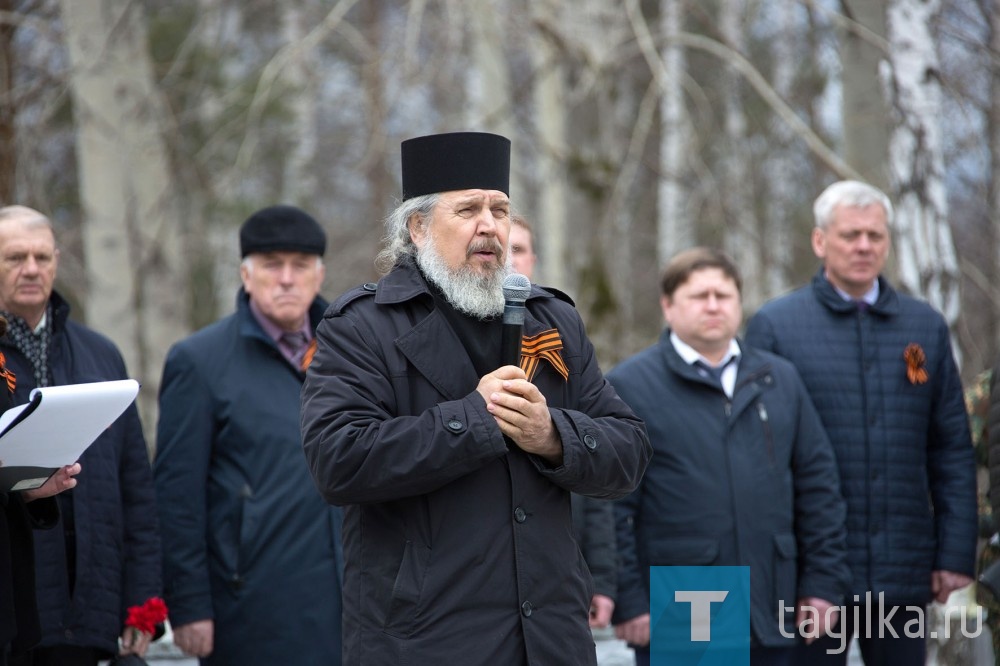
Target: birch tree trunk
(778, 225)
(131, 243)
(675, 229)
(549, 94)
(743, 237)
(925, 250)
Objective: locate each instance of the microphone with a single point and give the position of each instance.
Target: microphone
(516, 289)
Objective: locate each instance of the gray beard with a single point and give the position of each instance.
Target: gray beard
(470, 293)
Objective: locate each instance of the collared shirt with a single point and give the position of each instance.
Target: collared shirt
(275, 332)
(731, 360)
(870, 296)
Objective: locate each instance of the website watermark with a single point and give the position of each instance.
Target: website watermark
(875, 620)
(699, 616)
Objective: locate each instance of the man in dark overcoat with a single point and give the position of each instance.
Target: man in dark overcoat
(455, 469)
(252, 559)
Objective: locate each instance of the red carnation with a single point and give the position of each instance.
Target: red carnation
(147, 616)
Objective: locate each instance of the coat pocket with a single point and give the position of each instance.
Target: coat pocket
(404, 605)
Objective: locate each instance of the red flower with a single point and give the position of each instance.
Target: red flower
(147, 616)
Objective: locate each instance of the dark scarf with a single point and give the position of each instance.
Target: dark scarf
(34, 346)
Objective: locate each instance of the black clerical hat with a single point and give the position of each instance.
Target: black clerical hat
(282, 229)
(455, 161)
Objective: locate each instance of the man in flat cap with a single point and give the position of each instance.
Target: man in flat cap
(454, 469)
(252, 555)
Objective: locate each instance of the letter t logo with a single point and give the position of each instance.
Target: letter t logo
(701, 607)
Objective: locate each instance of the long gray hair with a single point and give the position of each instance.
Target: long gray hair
(397, 242)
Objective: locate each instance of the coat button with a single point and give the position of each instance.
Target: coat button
(526, 609)
(590, 442)
(455, 425)
(519, 515)
(369, 286)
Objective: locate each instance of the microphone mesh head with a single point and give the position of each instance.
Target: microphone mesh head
(516, 287)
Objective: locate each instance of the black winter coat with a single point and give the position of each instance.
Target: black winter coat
(907, 468)
(458, 550)
(114, 508)
(747, 481)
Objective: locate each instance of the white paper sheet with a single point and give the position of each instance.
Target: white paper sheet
(66, 420)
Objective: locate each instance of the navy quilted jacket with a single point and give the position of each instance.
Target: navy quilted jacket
(117, 533)
(903, 449)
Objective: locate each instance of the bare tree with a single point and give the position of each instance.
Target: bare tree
(8, 110)
(866, 129)
(925, 249)
(743, 237)
(779, 221)
(549, 94)
(299, 181)
(135, 267)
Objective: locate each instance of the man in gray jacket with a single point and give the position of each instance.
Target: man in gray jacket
(743, 473)
(454, 469)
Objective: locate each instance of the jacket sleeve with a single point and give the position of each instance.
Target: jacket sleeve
(184, 446)
(597, 542)
(605, 445)
(632, 599)
(358, 449)
(951, 468)
(142, 572)
(820, 510)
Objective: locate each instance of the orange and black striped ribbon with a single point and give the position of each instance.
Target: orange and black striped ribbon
(308, 356)
(545, 345)
(7, 373)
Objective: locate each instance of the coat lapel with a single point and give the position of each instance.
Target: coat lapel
(452, 374)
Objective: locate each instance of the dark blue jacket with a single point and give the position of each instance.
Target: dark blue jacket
(248, 541)
(903, 449)
(459, 549)
(747, 481)
(113, 504)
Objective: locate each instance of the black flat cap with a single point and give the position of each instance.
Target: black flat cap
(455, 161)
(282, 229)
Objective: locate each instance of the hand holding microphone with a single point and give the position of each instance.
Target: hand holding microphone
(518, 406)
(516, 289)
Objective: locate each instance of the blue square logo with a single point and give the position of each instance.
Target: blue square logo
(699, 616)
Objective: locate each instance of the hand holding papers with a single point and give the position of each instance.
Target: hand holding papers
(55, 427)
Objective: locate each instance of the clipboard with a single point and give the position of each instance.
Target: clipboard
(55, 427)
